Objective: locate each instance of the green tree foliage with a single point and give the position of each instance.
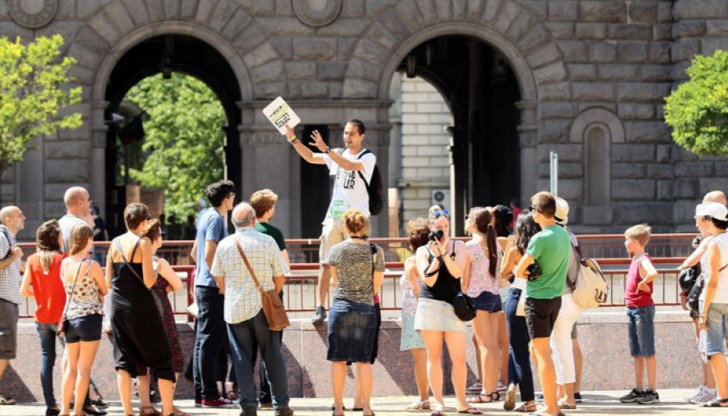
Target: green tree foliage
(33, 92)
(184, 140)
(698, 110)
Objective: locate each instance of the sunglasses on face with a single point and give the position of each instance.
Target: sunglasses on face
(440, 213)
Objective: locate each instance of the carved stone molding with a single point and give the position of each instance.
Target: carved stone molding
(317, 13)
(33, 14)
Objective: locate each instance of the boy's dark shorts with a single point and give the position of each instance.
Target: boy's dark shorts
(541, 315)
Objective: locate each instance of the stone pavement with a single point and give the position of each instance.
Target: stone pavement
(595, 403)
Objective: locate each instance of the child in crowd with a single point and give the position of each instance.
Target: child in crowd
(641, 314)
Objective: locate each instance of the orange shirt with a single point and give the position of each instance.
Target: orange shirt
(48, 291)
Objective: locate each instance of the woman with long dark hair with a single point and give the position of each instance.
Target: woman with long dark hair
(519, 361)
(42, 281)
(480, 280)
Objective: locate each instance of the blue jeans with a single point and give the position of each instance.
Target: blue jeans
(245, 338)
(210, 342)
(519, 361)
(641, 331)
(47, 337)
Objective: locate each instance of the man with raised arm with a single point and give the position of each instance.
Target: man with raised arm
(349, 191)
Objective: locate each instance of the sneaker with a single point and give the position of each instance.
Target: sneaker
(502, 388)
(198, 402)
(320, 315)
(703, 395)
(475, 388)
(632, 396)
(577, 397)
(284, 411)
(266, 405)
(650, 397)
(219, 402)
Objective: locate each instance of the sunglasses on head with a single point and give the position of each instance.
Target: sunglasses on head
(440, 212)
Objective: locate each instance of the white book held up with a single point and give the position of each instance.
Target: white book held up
(280, 113)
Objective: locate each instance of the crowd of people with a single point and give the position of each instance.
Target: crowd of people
(516, 272)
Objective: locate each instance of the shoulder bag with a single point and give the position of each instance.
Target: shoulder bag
(273, 308)
(61, 328)
(462, 304)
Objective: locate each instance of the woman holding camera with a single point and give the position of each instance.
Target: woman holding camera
(357, 269)
(519, 362)
(435, 317)
(482, 254)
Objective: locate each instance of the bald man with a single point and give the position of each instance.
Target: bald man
(715, 196)
(12, 221)
(78, 211)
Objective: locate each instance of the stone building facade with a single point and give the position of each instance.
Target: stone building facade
(584, 78)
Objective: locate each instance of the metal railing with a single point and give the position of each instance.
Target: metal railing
(301, 295)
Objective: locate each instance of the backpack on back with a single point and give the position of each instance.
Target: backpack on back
(375, 188)
(590, 289)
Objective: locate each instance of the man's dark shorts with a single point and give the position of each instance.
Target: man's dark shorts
(8, 329)
(541, 315)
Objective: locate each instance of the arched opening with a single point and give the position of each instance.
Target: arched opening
(597, 163)
(166, 54)
(483, 152)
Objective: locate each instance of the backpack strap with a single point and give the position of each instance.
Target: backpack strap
(359, 172)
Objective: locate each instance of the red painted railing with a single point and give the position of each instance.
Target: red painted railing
(300, 294)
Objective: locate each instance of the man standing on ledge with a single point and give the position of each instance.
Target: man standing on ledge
(349, 191)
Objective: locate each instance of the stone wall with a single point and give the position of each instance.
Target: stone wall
(425, 140)
(602, 336)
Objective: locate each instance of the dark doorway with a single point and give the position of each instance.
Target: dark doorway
(481, 90)
(167, 54)
(315, 188)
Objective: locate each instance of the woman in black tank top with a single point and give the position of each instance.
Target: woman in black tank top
(437, 264)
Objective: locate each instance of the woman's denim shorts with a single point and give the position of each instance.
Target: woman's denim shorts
(488, 302)
(352, 331)
(84, 328)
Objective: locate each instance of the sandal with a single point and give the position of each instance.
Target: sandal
(6, 401)
(471, 410)
(149, 411)
(438, 410)
(716, 403)
(563, 404)
(419, 405)
(510, 402)
(484, 398)
(525, 408)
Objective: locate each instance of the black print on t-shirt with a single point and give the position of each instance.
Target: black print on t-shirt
(346, 178)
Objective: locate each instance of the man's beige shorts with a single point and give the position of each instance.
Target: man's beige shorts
(332, 233)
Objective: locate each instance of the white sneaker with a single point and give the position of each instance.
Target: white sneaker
(704, 395)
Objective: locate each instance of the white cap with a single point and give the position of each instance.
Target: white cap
(713, 210)
(562, 211)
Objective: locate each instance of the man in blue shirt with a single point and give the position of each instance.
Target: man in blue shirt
(211, 336)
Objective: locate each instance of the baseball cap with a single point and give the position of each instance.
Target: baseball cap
(712, 209)
(562, 211)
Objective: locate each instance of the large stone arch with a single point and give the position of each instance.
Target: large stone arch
(509, 28)
(113, 29)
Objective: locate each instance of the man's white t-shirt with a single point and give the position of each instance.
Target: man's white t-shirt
(349, 190)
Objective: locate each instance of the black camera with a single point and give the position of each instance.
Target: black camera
(533, 271)
(436, 235)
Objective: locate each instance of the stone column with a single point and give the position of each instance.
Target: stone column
(528, 138)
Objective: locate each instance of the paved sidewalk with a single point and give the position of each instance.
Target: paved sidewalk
(672, 402)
